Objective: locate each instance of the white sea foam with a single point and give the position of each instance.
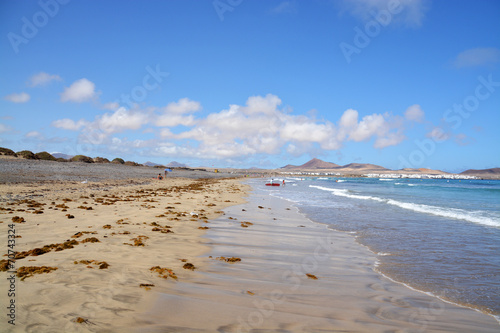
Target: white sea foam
(406, 184)
(386, 179)
(479, 217)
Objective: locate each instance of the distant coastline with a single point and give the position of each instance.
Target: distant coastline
(314, 167)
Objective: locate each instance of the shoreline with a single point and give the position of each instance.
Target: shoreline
(377, 262)
(270, 289)
(438, 291)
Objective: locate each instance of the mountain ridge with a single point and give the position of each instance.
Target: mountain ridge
(317, 164)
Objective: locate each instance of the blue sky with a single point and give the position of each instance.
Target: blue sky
(245, 83)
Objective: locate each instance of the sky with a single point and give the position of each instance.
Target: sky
(254, 83)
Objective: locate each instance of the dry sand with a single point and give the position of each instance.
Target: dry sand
(19, 170)
(96, 287)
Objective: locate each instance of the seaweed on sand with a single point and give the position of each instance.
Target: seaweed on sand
(231, 260)
(27, 271)
(164, 272)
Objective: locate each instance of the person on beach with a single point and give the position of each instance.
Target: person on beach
(159, 176)
(166, 173)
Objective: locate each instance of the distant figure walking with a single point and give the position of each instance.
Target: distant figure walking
(283, 182)
(166, 172)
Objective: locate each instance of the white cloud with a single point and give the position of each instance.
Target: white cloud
(386, 129)
(367, 127)
(438, 134)
(34, 134)
(80, 91)
(409, 12)
(69, 124)
(4, 128)
(174, 120)
(477, 57)
(184, 105)
(112, 106)
(120, 120)
(303, 129)
(43, 78)
(18, 98)
(415, 113)
(463, 140)
(262, 105)
(174, 113)
(390, 139)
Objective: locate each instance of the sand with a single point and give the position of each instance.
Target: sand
(19, 170)
(282, 272)
(96, 286)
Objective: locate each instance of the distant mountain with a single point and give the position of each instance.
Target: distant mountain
(422, 171)
(315, 163)
(175, 164)
(362, 167)
(151, 164)
(172, 164)
(493, 172)
(61, 155)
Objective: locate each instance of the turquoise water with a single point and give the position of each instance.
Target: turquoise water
(434, 235)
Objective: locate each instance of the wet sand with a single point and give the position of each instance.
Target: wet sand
(297, 276)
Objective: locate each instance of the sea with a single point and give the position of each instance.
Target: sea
(438, 236)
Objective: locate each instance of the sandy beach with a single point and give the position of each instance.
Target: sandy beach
(93, 257)
(195, 255)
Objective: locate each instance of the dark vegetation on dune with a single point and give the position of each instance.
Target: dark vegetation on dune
(29, 155)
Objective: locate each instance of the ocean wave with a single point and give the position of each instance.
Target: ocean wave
(386, 179)
(479, 217)
(407, 184)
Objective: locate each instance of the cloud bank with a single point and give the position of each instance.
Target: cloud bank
(260, 126)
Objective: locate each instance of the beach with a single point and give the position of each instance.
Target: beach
(195, 254)
(93, 256)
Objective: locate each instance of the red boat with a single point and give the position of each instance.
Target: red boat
(273, 182)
